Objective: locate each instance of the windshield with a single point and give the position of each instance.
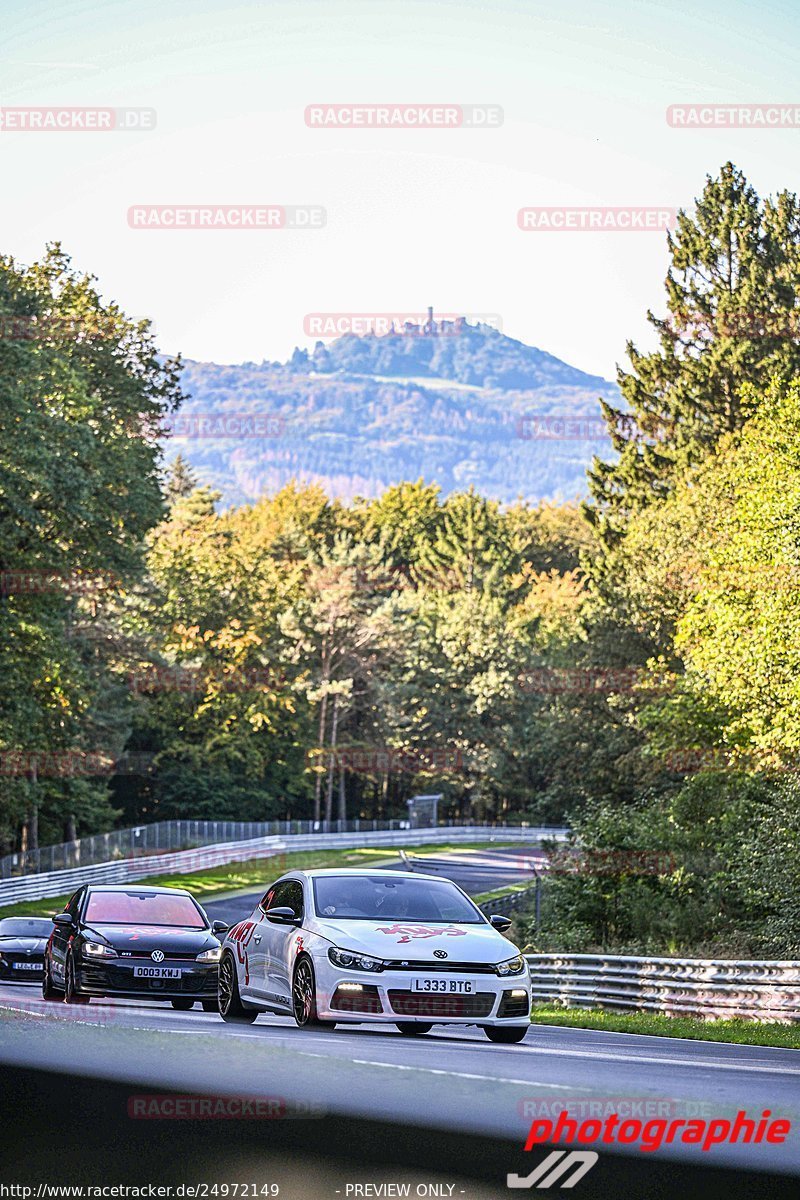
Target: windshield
(34, 927)
(385, 898)
(144, 908)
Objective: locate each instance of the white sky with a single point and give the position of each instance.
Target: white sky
(414, 217)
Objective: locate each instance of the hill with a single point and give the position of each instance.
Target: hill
(455, 403)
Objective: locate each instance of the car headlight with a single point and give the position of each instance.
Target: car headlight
(98, 950)
(512, 966)
(212, 955)
(354, 961)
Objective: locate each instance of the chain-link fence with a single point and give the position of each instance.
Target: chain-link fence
(164, 836)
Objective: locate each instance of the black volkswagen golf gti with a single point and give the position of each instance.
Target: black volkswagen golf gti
(142, 943)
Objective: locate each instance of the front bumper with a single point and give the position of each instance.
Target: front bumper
(115, 977)
(366, 996)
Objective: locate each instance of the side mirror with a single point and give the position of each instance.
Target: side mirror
(219, 927)
(499, 923)
(282, 916)
(63, 920)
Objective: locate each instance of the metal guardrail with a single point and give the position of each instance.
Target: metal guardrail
(59, 883)
(756, 990)
(511, 902)
(162, 836)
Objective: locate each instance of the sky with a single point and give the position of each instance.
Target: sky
(413, 216)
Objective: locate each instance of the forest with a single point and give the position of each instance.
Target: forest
(628, 666)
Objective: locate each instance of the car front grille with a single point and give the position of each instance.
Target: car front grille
(125, 981)
(418, 1004)
(404, 964)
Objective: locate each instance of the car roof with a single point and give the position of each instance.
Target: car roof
(363, 872)
(134, 887)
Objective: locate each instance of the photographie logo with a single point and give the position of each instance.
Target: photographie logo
(40, 119)
(404, 116)
(653, 1133)
(569, 1168)
(227, 216)
(603, 219)
(734, 116)
(399, 323)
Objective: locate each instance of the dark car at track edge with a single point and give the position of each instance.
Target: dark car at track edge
(22, 945)
(138, 943)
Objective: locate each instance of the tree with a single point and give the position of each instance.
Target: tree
(181, 480)
(82, 390)
(732, 301)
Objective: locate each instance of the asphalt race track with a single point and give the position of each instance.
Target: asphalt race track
(468, 1083)
(452, 1080)
(473, 870)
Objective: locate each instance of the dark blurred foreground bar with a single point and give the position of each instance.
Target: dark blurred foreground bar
(63, 1129)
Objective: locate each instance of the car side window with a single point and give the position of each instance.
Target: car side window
(288, 894)
(74, 903)
(293, 897)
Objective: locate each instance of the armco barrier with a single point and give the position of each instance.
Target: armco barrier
(159, 837)
(767, 991)
(59, 883)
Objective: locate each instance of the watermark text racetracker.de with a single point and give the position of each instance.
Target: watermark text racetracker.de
(401, 322)
(734, 116)
(599, 219)
(41, 119)
(368, 760)
(256, 217)
(155, 1107)
(210, 426)
(404, 116)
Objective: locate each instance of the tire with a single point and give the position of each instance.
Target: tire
(49, 991)
(71, 996)
(230, 1003)
(413, 1028)
(210, 1005)
(505, 1035)
(182, 1005)
(304, 997)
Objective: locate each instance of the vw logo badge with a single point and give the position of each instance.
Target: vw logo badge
(440, 954)
(157, 956)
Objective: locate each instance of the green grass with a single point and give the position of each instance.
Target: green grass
(234, 877)
(503, 891)
(741, 1032)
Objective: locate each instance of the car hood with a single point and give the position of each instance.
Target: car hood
(418, 941)
(141, 939)
(21, 945)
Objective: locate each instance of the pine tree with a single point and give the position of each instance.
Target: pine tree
(181, 480)
(733, 299)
